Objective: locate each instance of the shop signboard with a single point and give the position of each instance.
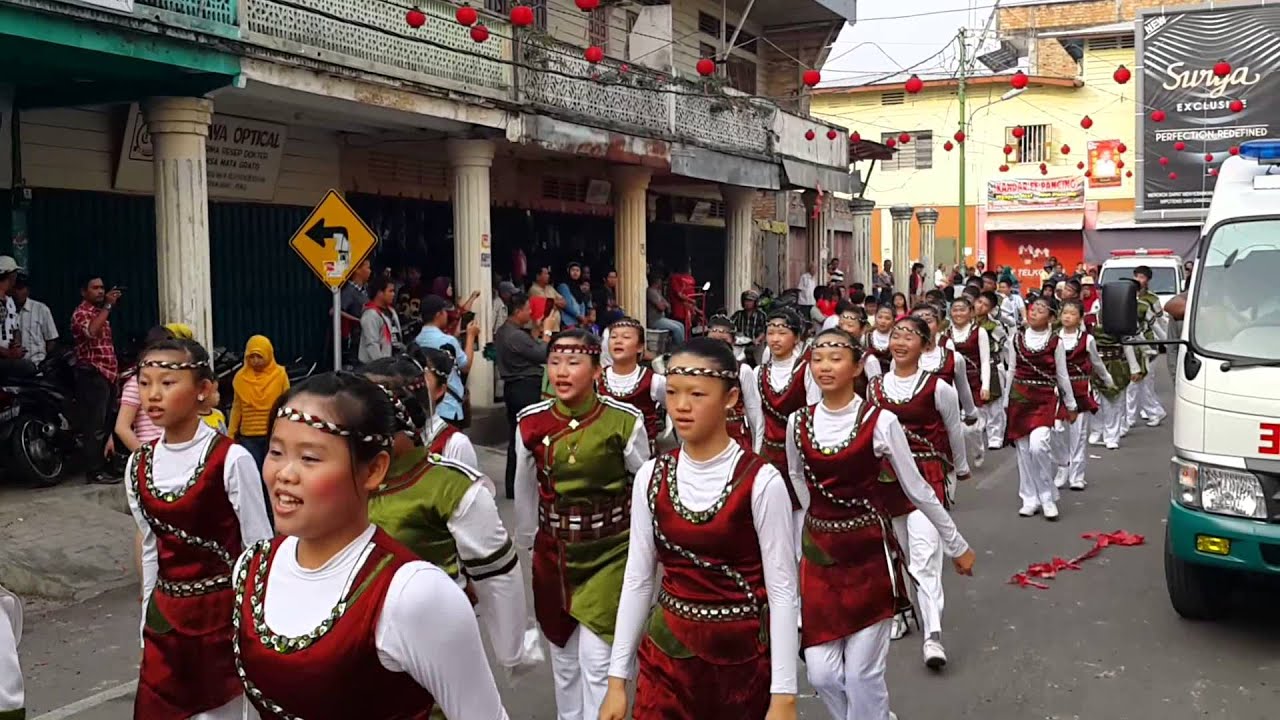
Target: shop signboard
(1104, 165)
(242, 156)
(1027, 253)
(1029, 194)
(1187, 126)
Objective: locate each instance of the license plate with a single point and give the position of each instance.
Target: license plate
(9, 413)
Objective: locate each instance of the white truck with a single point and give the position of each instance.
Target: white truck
(1167, 281)
(1224, 511)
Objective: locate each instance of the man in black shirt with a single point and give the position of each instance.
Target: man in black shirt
(750, 321)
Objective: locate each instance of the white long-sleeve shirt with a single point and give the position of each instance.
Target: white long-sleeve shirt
(751, 403)
(833, 426)
(961, 335)
(700, 485)
(635, 454)
(426, 628)
(871, 366)
(1071, 339)
(806, 287)
(172, 466)
(945, 399)
(1035, 340)
(12, 696)
(458, 449)
(931, 360)
(621, 384)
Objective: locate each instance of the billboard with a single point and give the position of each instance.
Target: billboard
(1066, 193)
(1105, 163)
(1177, 51)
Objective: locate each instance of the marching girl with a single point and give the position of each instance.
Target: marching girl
(877, 341)
(785, 386)
(746, 418)
(576, 456)
(926, 405)
(333, 618)
(1083, 363)
(438, 436)
(444, 514)
(12, 697)
(1121, 362)
(197, 499)
(852, 583)
(1038, 397)
(721, 642)
(941, 357)
(629, 382)
(972, 342)
(993, 411)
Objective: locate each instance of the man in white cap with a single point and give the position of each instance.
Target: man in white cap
(13, 356)
(12, 699)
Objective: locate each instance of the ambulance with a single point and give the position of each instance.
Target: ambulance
(1224, 509)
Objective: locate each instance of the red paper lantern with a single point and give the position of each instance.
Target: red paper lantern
(1008, 149)
(1088, 173)
(1122, 148)
(706, 66)
(1179, 146)
(914, 84)
(809, 135)
(1086, 122)
(856, 136)
(522, 16)
(594, 54)
(1080, 165)
(904, 138)
(479, 33)
(1044, 166)
(891, 143)
(1004, 168)
(1157, 116)
(948, 146)
(1222, 68)
(1066, 149)
(1128, 173)
(1164, 161)
(1237, 105)
(811, 77)
(1235, 150)
(959, 136)
(1019, 80)
(1120, 164)
(1208, 157)
(588, 5)
(1173, 176)
(1213, 172)
(415, 18)
(1018, 132)
(1044, 171)
(832, 134)
(466, 15)
(624, 68)
(1121, 75)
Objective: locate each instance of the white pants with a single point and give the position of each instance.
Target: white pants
(994, 417)
(11, 690)
(581, 670)
(1109, 422)
(849, 673)
(1036, 467)
(975, 437)
(923, 545)
(1140, 398)
(1072, 450)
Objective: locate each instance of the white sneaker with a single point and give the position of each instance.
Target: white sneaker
(1060, 478)
(893, 715)
(994, 446)
(1155, 421)
(935, 657)
(979, 459)
(1029, 510)
(1095, 439)
(1050, 510)
(900, 628)
(1113, 446)
(1078, 484)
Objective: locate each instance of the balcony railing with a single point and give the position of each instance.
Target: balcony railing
(221, 12)
(371, 35)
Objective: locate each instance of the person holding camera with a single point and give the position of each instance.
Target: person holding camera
(97, 367)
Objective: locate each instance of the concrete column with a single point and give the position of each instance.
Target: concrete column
(740, 251)
(902, 247)
(861, 260)
(630, 218)
(473, 259)
(179, 127)
(928, 219)
(819, 250)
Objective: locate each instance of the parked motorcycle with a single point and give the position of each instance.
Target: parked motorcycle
(37, 436)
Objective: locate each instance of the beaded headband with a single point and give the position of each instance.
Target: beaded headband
(288, 413)
(722, 321)
(574, 348)
(168, 365)
(781, 324)
(402, 413)
(911, 329)
(836, 344)
(731, 375)
(626, 323)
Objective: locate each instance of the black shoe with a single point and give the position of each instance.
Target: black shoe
(104, 478)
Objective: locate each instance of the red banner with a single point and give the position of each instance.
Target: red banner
(1103, 170)
(1065, 193)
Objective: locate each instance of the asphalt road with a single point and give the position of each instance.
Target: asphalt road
(1101, 643)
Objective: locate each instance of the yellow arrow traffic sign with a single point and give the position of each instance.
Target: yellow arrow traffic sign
(333, 241)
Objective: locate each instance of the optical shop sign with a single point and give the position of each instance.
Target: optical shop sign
(243, 157)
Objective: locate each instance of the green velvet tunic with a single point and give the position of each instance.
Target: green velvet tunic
(414, 505)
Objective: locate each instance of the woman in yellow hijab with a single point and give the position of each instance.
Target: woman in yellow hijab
(258, 385)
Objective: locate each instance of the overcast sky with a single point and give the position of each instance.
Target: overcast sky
(883, 41)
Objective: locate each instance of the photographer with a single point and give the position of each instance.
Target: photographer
(97, 368)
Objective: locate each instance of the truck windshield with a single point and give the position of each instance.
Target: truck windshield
(1164, 279)
(1237, 309)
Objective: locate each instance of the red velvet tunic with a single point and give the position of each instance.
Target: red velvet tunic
(947, 370)
(1033, 395)
(1080, 369)
(187, 662)
(640, 398)
(736, 424)
(693, 665)
(973, 362)
(927, 436)
(338, 676)
(846, 583)
(884, 356)
(441, 439)
(778, 407)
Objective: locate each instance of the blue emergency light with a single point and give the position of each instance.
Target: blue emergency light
(1264, 152)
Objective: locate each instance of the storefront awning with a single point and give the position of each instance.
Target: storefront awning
(1035, 220)
(805, 175)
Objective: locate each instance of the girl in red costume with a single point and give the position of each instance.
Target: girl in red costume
(851, 576)
(721, 641)
(1083, 362)
(877, 344)
(785, 386)
(926, 405)
(334, 619)
(745, 419)
(972, 342)
(1038, 398)
(626, 380)
(197, 499)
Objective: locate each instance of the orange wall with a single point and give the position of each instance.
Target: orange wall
(948, 229)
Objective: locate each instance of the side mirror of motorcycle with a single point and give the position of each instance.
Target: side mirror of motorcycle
(706, 286)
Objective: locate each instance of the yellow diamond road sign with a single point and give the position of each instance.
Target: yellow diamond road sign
(333, 241)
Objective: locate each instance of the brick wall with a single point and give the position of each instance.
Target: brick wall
(764, 206)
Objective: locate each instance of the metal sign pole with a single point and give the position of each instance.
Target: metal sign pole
(337, 329)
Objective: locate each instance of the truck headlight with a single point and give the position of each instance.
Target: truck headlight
(1218, 490)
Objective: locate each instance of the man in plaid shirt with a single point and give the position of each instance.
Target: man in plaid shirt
(97, 369)
(750, 320)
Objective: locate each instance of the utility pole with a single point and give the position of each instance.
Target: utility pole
(964, 128)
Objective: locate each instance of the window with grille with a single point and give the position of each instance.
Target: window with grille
(501, 7)
(742, 75)
(915, 155)
(598, 27)
(1114, 42)
(1032, 147)
(893, 98)
(709, 24)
